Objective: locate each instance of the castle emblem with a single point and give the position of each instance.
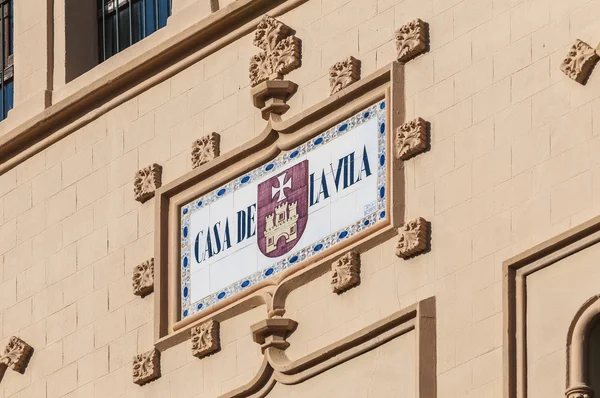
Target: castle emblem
(282, 210)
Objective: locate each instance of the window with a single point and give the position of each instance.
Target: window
(122, 23)
(6, 54)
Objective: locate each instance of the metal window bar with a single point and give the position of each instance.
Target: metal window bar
(110, 10)
(6, 57)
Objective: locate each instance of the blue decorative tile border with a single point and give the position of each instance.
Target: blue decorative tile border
(376, 215)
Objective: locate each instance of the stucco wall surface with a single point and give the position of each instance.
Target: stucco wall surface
(513, 161)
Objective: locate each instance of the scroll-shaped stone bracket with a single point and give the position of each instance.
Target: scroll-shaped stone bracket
(206, 339)
(16, 356)
(411, 139)
(143, 278)
(146, 182)
(345, 272)
(343, 73)
(205, 149)
(273, 333)
(411, 40)
(579, 62)
(280, 56)
(413, 238)
(146, 367)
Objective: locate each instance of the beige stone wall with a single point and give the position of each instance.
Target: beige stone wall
(513, 161)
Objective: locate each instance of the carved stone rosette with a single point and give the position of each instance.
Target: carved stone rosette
(146, 367)
(412, 238)
(343, 74)
(411, 40)
(147, 180)
(15, 356)
(205, 339)
(143, 278)
(345, 272)
(280, 56)
(411, 139)
(579, 61)
(205, 149)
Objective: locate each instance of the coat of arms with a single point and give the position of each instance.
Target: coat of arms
(282, 210)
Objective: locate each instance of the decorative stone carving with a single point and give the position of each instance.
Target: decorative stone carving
(205, 149)
(412, 238)
(280, 56)
(411, 138)
(147, 180)
(281, 53)
(343, 74)
(411, 40)
(345, 272)
(205, 339)
(143, 278)
(273, 332)
(581, 392)
(146, 367)
(16, 355)
(579, 61)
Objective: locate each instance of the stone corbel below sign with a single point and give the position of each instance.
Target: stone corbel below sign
(412, 40)
(256, 223)
(344, 73)
(143, 278)
(146, 367)
(345, 272)
(579, 62)
(280, 56)
(146, 182)
(16, 356)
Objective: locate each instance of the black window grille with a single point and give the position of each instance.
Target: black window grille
(7, 70)
(122, 23)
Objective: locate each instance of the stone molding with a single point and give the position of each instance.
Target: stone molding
(16, 356)
(516, 270)
(578, 350)
(277, 367)
(343, 73)
(413, 238)
(411, 40)
(205, 149)
(146, 367)
(146, 182)
(411, 139)
(143, 278)
(205, 339)
(278, 136)
(345, 272)
(280, 55)
(579, 62)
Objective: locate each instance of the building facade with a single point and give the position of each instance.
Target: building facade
(299, 198)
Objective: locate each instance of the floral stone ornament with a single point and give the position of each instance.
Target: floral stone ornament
(412, 238)
(205, 339)
(205, 149)
(411, 139)
(411, 40)
(146, 367)
(146, 182)
(343, 74)
(143, 278)
(16, 355)
(280, 56)
(345, 272)
(579, 62)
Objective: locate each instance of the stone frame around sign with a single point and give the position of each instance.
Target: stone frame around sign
(278, 136)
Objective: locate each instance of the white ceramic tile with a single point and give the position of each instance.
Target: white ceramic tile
(199, 220)
(322, 202)
(200, 284)
(318, 227)
(233, 268)
(344, 212)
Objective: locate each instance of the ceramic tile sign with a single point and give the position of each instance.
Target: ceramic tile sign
(303, 202)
